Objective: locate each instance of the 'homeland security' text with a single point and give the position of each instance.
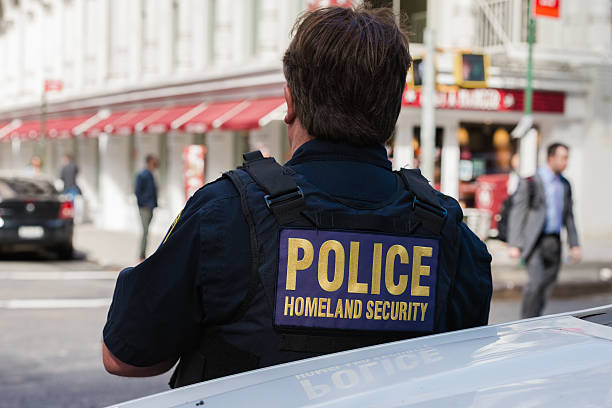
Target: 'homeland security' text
(353, 309)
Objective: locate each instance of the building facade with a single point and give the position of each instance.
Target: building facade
(157, 76)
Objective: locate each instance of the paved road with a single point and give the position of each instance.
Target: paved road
(51, 318)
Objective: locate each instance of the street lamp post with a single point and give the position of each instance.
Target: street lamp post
(428, 121)
(528, 144)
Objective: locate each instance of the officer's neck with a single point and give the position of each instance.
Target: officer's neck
(297, 135)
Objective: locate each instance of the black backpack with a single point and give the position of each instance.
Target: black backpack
(506, 207)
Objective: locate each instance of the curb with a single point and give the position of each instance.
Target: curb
(560, 290)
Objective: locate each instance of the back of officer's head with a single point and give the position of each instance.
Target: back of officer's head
(346, 69)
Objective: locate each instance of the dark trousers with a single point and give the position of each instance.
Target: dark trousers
(146, 214)
(542, 270)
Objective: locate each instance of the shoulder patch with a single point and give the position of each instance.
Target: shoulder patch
(176, 220)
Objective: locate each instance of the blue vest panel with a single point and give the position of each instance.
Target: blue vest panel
(355, 281)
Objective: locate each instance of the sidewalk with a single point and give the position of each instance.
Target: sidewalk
(592, 275)
(111, 249)
(119, 249)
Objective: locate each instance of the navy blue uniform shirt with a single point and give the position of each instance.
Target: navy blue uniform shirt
(200, 273)
(146, 190)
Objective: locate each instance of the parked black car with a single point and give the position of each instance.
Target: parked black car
(34, 215)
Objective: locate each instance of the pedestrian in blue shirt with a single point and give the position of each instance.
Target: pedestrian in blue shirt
(146, 196)
(542, 206)
(332, 251)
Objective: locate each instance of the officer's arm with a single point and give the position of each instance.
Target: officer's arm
(470, 298)
(117, 367)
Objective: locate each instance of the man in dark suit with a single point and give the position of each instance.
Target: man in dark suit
(542, 206)
(146, 195)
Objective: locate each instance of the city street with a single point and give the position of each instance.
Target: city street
(51, 319)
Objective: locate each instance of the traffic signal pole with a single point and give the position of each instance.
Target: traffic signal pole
(428, 107)
(529, 141)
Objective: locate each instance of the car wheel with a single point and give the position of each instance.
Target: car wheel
(64, 251)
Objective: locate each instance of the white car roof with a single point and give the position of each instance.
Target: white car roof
(552, 361)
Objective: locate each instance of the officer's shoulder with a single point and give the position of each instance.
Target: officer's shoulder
(452, 206)
(213, 193)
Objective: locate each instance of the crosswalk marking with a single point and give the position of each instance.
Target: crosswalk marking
(57, 275)
(54, 303)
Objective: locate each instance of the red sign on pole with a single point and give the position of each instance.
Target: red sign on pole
(53, 85)
(546, 8)
(193, 159)
(315, 4)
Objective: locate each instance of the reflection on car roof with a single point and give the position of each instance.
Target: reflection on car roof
(560, 361)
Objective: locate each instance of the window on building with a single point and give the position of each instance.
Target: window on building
(182, 34)
(118, 53)
(414, 16)
(91, 34)
(211, 22)
(255, 26)
(150, 37)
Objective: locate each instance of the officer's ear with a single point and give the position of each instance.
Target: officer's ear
(290, 116)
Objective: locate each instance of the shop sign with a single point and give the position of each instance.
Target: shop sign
(546, 8)
(488, 99)
(315, 4)
(53, 85)
(193, 174)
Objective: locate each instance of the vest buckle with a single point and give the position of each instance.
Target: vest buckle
(296, 195)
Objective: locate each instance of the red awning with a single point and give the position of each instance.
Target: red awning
(3, 134)
(204, 120)
(63, 127)
(27, 130)
(127, 123)
(162, 122)
(252, 114)
(120, 122)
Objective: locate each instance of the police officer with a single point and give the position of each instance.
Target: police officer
(332, 251)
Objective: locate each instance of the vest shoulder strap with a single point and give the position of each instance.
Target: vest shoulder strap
(425, 203)
(254, 280)
(283, 196)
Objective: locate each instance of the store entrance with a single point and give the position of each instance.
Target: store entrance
(486, 149)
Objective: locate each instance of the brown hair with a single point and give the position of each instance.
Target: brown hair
(552, 149)
(346, 69)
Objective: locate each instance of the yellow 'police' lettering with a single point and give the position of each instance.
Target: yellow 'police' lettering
(353, 285)
(336, 282)
(392, 288)
(395, 283)
(293, 263)
(418, 270)
(376, 268)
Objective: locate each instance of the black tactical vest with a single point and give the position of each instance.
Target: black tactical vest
(329, 275)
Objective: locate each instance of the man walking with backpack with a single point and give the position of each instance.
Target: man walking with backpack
(541, 206)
